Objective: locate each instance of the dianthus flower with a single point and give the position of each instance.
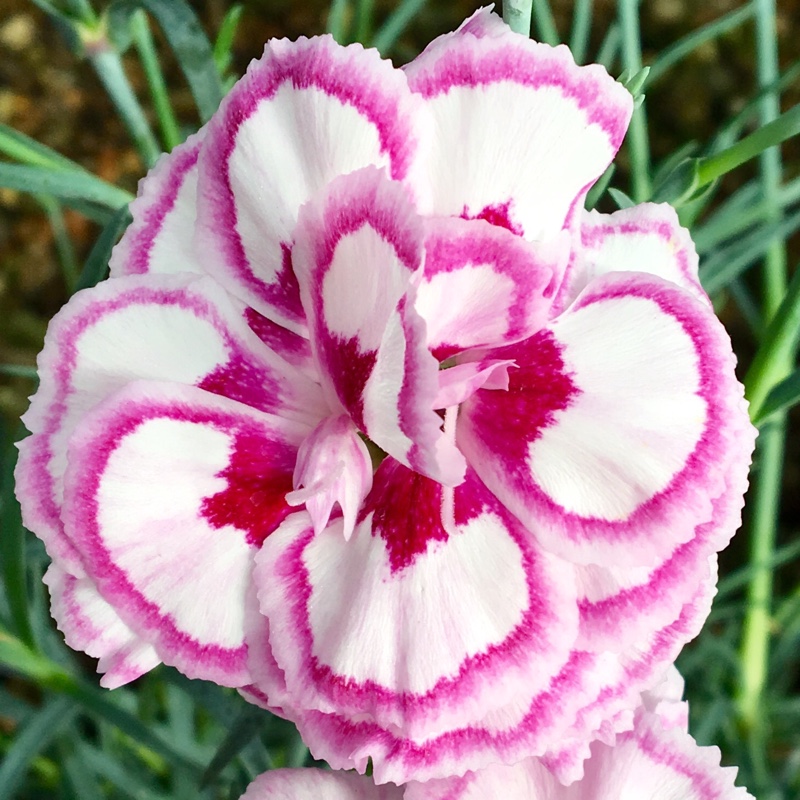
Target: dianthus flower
(375, 423)
(656, 760)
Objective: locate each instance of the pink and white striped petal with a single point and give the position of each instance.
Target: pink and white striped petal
(645, 238)
(317, 784)
(593, 697)
(520, 130)
(359, 248)
(651, 762)
(160, 239)
(420, 625)
(622, 424)
(333, 468)
(170, 491)
(483, 286)
(620, 607)
(178, 328)
(304, 113)
(93, 626)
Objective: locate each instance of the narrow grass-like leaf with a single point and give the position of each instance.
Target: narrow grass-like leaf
(730, 262)
(126, 781)
(680, 49)
(66, 184)
(743, 210)
(101, 705)
(784, 396)
(37, 734)
(243, 730)
(78, 780)
(338, 19)
(609, 47)
(145, 45)
(775, 356)
(191, 46)
(738, 579)
(748, 307)
(711, 720)
(19, 371)
(545, 22)
(223, 46)
(395, 24)
(109, 68)
(621, 199)
(12, 548)
(598, 190)
(517, 15)
(23, 148)
(96, 266)
(64, 248)
(581, 28)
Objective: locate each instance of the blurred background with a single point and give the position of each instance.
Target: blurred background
(699, 87)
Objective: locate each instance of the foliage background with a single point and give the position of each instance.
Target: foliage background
(167, 737)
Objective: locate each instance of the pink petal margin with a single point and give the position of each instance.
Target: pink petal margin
(355, 83)
(163, 215)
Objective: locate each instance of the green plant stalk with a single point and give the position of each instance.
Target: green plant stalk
(775, 355)
(337, 20)
(581, 28)
(778, 130)
(680, 49)
(517, 15)
(145, 46)
(364, 13)
(395, 24)
(108, 65)
(638, 142)
(66, 253)
(545, 23)
(755, 646)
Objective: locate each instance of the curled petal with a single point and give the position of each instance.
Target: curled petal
(160, 237)
(520, 130)
(622, 424)
(415, 626)
(171, 490)
(359, 245)
(304, 113)
(483, 286)
(333, 466)
(317, 784)
(645, 238)
(461, 381)
(90, 624)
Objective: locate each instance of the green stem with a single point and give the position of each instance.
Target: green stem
(337, 20)
(364, 12)
(755, 646)
(108, 65)
(776, 353)
(581, 28)
(766, 137)
(545, 22)
(395, 24)
(143, 39)
(517, 15)
(679, 50)
(66, 252)
(638, 142)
